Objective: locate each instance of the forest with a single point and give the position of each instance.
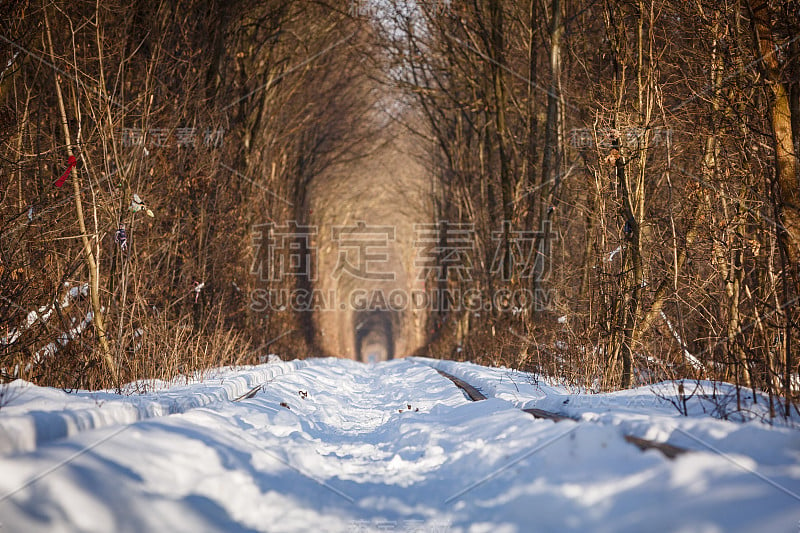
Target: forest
(616, 180)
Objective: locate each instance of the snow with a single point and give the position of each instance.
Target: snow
(45, 312)
(336, 445)
(51, 349)
(43, 315)
(691, 359)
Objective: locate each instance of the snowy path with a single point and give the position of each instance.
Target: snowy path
(332, 445)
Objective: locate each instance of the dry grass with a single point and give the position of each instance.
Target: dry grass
(168, 348)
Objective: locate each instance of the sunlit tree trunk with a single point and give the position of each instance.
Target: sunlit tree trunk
(785, 162)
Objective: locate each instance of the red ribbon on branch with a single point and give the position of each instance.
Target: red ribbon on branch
(72, 162)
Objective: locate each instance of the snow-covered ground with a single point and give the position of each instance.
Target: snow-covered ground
(335, 445)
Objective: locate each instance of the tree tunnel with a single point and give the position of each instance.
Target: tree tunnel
(366, 210)
(373, 335)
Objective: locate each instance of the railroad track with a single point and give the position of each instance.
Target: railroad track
(123, 410)
(670, 451)
(474, 394)
(133, 409)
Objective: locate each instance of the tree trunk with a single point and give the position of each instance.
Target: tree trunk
(92, 265)
(507, 185)
(550, 178)
(785, 162)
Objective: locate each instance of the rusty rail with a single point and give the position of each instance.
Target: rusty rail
(670, 451)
